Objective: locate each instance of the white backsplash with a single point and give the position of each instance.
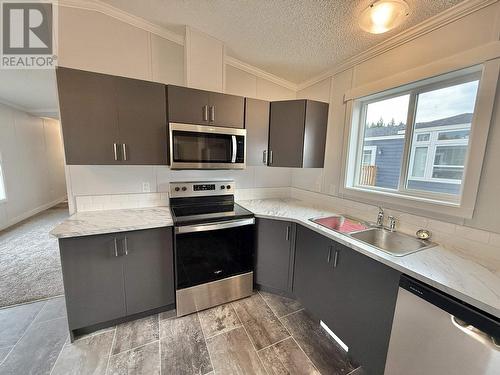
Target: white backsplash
(453, 236)
(93, 187)
(120, 201)
(146, 200)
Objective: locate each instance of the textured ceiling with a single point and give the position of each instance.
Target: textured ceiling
(292, 39)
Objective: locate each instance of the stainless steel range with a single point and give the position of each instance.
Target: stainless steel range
(214, 245)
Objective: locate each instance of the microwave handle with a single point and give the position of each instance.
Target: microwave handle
(234, 149)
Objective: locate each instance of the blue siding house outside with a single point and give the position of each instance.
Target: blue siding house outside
(388, 161)
(384, 147)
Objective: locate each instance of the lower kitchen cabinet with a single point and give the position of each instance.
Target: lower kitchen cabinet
(313, 271)
(274, 255)
(352, 293)
(148, 270)
(112, 276)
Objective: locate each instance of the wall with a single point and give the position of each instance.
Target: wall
(482, 27)
(240, 82)
(115, 47)
(204, 61)
(93, 41)
(33, 165)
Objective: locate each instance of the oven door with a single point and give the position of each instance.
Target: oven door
(215, 251)
(206, 147)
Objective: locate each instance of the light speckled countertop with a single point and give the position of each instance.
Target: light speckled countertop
(461, 275)
(111, 221)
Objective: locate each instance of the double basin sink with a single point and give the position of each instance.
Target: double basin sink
(391, 242)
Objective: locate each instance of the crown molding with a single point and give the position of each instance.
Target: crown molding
(123, 16)
(36, 112)
(259, 72)
(446, 17)
(52, 113)
(14, 106)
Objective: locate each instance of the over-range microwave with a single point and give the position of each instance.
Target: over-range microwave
(206, 147)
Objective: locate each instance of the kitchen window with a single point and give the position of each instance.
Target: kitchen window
(414, 141)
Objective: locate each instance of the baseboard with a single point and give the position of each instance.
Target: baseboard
(31, 213)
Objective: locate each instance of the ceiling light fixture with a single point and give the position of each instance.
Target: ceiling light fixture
(383, 15)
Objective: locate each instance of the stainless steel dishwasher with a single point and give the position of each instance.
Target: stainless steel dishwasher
(435, 334)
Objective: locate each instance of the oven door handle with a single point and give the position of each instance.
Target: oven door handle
(214, 226)
(234, 149)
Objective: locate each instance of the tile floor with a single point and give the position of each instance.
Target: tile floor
(262, 334)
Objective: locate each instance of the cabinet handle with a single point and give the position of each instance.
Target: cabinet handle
(264, 157)
(329, 254)
(212, 113)
(115, 151)
(116, 246)
(270, 157)
(336, 259)
(288, 233)
(205, 113)
(125, 242)
(124, 150)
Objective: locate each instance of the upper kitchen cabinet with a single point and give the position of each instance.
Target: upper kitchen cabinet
(257, 126)
(88, 116)
(142, 121)
(192, 106)
(187, 105)
(110, 120)
(297, 133)
(226, 110)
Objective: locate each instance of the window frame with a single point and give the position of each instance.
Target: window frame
(373, 154)
(432, 144)
(428, 203)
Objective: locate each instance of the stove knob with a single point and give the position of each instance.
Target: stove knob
(184, 188)
(177, 189)
(222, 187)
(228, 187)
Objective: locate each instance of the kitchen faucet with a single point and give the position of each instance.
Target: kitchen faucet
(380, 220)
(380, 217)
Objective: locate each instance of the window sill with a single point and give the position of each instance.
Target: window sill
(422, 206)
(406, 196)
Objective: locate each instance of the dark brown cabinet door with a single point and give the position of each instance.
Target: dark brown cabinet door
(315, 134)
(89, 117)
(186, 105)
(93, 280)
(361, 306)
(274, 255)
(148, 269)
(286, 133)
(257, 126)
(297, 134)
(226, 110)
(313, 279)
(111, 276)
(142, 120)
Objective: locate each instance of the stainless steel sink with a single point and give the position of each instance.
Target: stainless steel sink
(394, 243)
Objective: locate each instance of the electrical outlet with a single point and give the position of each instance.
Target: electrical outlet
(146, 187)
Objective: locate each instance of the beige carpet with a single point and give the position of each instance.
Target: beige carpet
(30, 268)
